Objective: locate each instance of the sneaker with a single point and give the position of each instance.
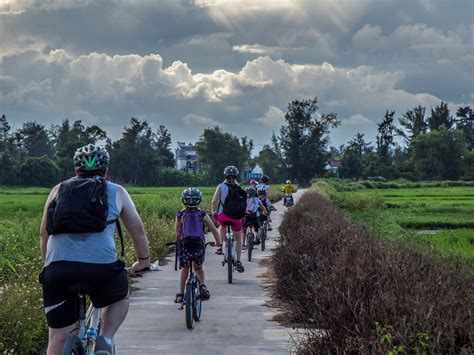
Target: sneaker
(102, 347)
(244, 247)
(239, 266)
(257, 241)
(205, 295)
(269, 227)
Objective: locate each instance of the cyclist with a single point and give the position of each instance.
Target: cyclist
(217, 207)
(263, 183)
(190, 223)
(288, 191)
(262, 195)
(88, 257)
(254, 206)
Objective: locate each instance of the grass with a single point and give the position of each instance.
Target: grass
(434, 218)
(22, 323)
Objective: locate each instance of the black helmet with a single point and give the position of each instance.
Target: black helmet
(262, 191)
(251, 191)
(191, 197)
(231, 172)
(91, 158)
(265, 179)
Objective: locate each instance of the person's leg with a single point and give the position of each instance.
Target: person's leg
(57, 338)
(182, 278)
(113, 317)
(199, 272)
(238, 243)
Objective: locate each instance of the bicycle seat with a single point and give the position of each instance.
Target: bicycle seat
(80, 288)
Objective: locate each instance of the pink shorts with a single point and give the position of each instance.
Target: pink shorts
(236, 223)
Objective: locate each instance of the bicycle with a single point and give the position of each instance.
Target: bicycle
(230, 255)
(262, 233)
(83, 342)
(192, 302)
(288, 200)
(250, 242)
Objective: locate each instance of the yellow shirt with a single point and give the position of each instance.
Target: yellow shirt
(288, 189)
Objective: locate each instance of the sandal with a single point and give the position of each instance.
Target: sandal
(179, 298)
(205, 295)
(239, 266)
(219, 251)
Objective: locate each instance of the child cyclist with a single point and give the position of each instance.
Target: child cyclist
(254, 206)
(288, 191)
(190, 223)
(262, 195)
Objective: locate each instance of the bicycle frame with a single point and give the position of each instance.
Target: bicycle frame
(229, 238)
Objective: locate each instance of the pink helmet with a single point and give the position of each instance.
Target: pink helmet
(253, 183)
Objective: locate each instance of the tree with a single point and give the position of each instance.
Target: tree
(217, 149)
(162, 144)
(438, 154)
(385, 136)
(466, 123)
(440, 117)
(132, 158)
(303, 139)
(34, 140)
(414, 124)
(353, 157)
(270, 163)
(39, 171)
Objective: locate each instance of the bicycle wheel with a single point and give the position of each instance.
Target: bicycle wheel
(188, 306)
(197, 304)
(249, 245)
(230, 262)
(264, 237)
(73, 346)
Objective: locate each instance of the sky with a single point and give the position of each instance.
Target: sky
(193, 64)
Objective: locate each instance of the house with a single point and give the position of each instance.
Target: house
(333, 166)
(253, 174)
(186, 157)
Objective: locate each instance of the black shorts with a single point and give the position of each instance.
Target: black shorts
(109, 284)
(252, 220)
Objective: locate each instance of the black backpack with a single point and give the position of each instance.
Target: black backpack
(81, 206)
(235, 204)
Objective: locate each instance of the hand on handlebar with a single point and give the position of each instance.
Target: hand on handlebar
(139, 267)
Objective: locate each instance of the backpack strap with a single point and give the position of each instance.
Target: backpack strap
(119, 230)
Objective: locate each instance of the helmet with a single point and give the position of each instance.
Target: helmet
(231, 171)
(253, 183)
(251, 191)
(262, 192)
(191, 197)
(90, 158)
(265, 179)
(288, 181)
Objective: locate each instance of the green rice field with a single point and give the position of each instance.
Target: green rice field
(439, 219)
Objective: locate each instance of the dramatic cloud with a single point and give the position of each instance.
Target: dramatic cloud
(195, 64)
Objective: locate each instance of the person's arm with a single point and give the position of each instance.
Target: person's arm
(215, 201)
(44, 220)
(262, 208)
(213, 229)
(135, 229)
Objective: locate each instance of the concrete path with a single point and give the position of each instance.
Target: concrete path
(234, 321)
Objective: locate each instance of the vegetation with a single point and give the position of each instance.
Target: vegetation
(435, 217)
(353, 293)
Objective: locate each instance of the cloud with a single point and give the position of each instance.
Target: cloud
(200, 121)
(274, 117)
(357, 120)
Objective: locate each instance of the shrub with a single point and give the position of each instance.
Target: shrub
(357, 294)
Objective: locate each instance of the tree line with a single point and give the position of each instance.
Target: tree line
(438, 146)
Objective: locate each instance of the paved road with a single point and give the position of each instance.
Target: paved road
(234, 321)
